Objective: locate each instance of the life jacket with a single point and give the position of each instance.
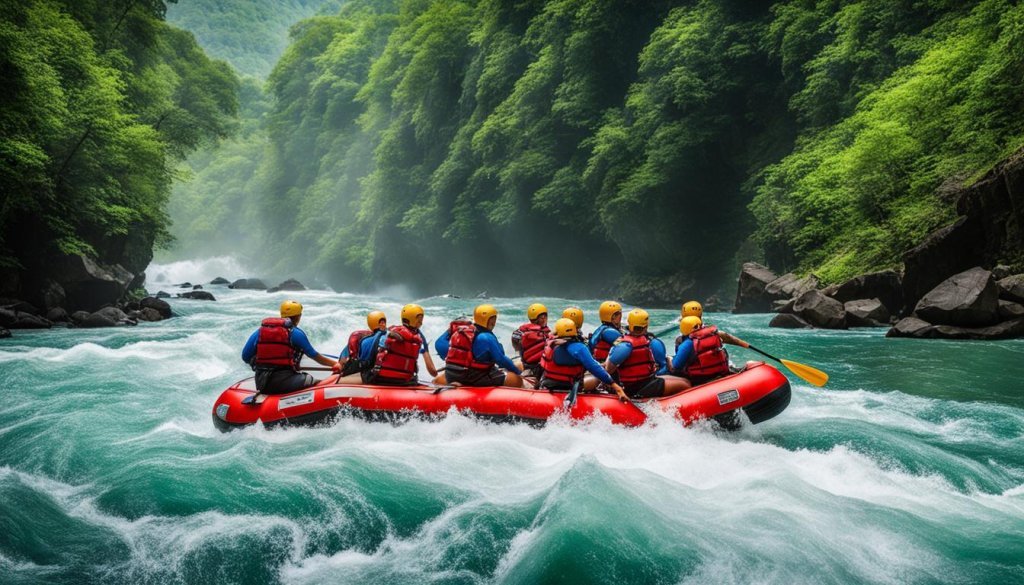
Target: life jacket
(398, 360)
(640, 365)
(709, 357)
(354, 364)
(530, 339)
(274, 347)
(597, 344)
(460, 348)
(555, 371)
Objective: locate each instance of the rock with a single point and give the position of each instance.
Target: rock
(886, 286)
(220, 280)
(970, 299)
(185, 285)
(29, 321)
(79, 316)
(197, 287)
(789, 321)
(911, 327)
(158, 305)
(107, 317)
(291, 284)
(132, 306)
(1002, 271)
(783, 306)
(1004, 330)
(866, 313)
(714, 303)
(53, 294)
(198, 295)
(150, 314)
(4, 333)
(790, 286)
(58, 315)
(7, 317)
(1011, 288)
(1010, 310)
(22, 307)
(273, 289)
(162, 295)
(88, 284)
(750, 290)
(248, 284)
(820, 311)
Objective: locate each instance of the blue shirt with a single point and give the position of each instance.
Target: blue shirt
(606, 332)
(577, 352)
(622, 349)
(297, 338)
(423, 342)
(441, 345)
(365, 346)
(487, 348)
(683, 355)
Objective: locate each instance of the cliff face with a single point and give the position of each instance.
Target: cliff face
(989, 231)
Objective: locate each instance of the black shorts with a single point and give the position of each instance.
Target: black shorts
(652, 388)
(370, 377)
(282, 381)
(492, 377)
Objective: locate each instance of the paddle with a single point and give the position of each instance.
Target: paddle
(812, 375)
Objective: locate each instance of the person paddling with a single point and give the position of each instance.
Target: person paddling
(275, 351)
(360, 352)
(700, 355)
(610, 329)
(476, 357)
(396, 359)
(566, 358)
(530, 338)
(636, 359)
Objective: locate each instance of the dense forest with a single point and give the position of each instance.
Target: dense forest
(100, 102)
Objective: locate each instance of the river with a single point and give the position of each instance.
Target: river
(907, 468)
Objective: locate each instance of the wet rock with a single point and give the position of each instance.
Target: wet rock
(198, 295)
(783, 306)
(1011, 288)
(150, 314)
(1010, 310)
(791, 286)
(89, 284)
(159, 305)
(291, 284)
(7, 317)
(131, 306)
(79, 316)
(22, 307)
(197, 287)
(107, 317)
(162, 295)
(4, 333)
(58, 315)
(657, 291)
(185, 285)
(820, 311)
(273, 289)
(911, 327)
(29, 321)
(53, 294)
(1002, 271)
(248, 284)
(886, 286)
(751, 296)
(866, 313)
(968, 299)
(220, 280)
(789, 321)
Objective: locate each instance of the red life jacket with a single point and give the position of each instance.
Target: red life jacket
(530, 339)
(600, 348)
(273, 345)
(354, 364)
(709, 357)
(555, 371)
(398, 360)
(640, 365)
(460, 348)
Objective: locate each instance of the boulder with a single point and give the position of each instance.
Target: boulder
(150, 314)
(789, 321)
(783, 306)
(866, 313)
(107, 317)
(198, 295)
(4, 333)
(248, 284)
(29, 321)
(911, 327)
(273, 289)
(79, 316)
(7, 317)
(886, 286)
(197, 287)
(291, 284)
(751, 296)
(159, 305)
(1010, 310)
(1002, 271)
(53, 294)
(22, 307)
(1011, 288)
(162, 294)
(58, 315)
(185, 285)
(89, 284)
(1005, 330)
(968, 299)
(790, 286)
(131, 306)
(820, 311)
(220, 280)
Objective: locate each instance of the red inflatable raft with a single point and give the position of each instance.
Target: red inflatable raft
(760, 391)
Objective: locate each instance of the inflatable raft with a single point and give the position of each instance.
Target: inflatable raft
(759, 391)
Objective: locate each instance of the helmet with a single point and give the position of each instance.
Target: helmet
(574, 313)
(373, 319)
(291, 309)
(689, 324)
(535, 310)
(412, 315)
(565, 327)
(607, 309)
(638, 319)
(692, 309)
(483, 313)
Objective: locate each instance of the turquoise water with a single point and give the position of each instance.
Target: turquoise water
(908, 468)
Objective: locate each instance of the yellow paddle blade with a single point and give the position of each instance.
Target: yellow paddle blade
(812, 375)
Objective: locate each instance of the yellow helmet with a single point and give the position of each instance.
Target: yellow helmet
(574, 313)
(688, 324)
(291, 309)
(412, 315)
(565, 327)
(374, 318)
(638, 319)
(535, 310)
(483, 313)
(607, 310)
(692, 309)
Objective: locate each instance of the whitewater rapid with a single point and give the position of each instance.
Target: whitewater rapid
(908, 468)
